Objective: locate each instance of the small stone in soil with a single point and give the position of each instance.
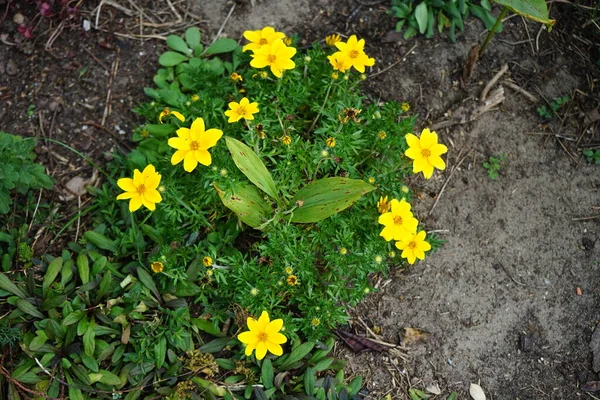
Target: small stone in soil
(11, 67)
(526, 343)
(588, 244)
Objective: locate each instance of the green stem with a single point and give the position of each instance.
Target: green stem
(493, 30)
(322, 107)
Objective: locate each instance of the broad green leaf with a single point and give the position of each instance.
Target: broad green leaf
(536, 10)
(89, 362)
(160, 130)
(247, 203)
(73, 317)
(309, 381)
(147, 281)
(83, 266)
(178, 44)
(53, 302)
(355, 385)
(192, 37)
(326, 197)
(51, 274)
(421, 16)
(206, 326)
(218, 391)
(108, 378)
(266, 375)
(89, 340)
(7, 285)
(223, 45)
(297, 354)
(101, 241)
(170, 59)
(29, 308)
(38, 341)
(160, 351)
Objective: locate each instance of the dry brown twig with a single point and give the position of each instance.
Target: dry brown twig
(111, 78)
(493, 81)
(519, 89)
(437, 199)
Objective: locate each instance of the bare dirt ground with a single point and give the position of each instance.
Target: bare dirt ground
(511, 300)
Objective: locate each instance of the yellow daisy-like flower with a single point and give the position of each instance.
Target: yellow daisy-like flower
(243, 109)
(288, 270)
(277, 56)
(286, 140)
(335, 75)
(383, 205)
(425, 151)
(330, 142)
(292, 280)
(192, 145)
(141, 190)
(157, 267)
(315, 322)
(338, 62)
(354, 54)
(413, 246)
(343, 251)
(236, 77)
(349, 113)
(263, 336)
(262, 37)
(405, 107)
(371, 180)
(195, 97)
(207, 261)
(381, 135)
(399, 221)
(166, 111)
(332, 39)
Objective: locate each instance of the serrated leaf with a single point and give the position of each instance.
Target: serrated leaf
(29, 309)
(246, 202)
(51, 274)
(421, 16)
(192, 37)
(223, 45)
(536, 10)
(7, 285)
(178, 44)
(250, 165)
(326, 197)
(170, 59)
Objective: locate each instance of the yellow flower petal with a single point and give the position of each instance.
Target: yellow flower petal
(178, 156)
(189, 162)
(247, 337)
(126, 195)
(135, 203)
(263, 321)
(138, 178)
(274, 348)
(252, 324)
(437, 162)
(277, 338)
(126, 184)
(412, 141)
(428, 138)
(178, 115)
(428, 170)
(274, 326)
(203, 157)
(153, 196)
(438, 149)
(209, 138)
(249, 349)
(183, 133)
(148, 204)
(197, 129)
(261, 350)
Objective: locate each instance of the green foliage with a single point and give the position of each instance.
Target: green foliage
(426, 16)
(555, 106)
(592, 156)
(536, 10)
(18, 171)
(493, 166)
(9, 336)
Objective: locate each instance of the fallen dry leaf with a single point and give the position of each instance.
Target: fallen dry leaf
(414, 335)
(433, 389)
(476, 392)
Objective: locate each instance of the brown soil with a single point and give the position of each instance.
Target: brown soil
(500, 298)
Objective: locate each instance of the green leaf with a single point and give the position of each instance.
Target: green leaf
(89, 362)
(223, 45)
(250, 165)
(51, 274)
(178, 44)
(206, 326)
(74, 393)
(7, 285)
(170, 59)
(147, 281)
(297, 354)
(108, 378)
(160, 130)
(355, 385)
(536, 10)
(215, 345)
(452, 396)
(38, 341)
(326, 197)
(266, 375)
(309, 381)
(101, 241)
(421, 16)
(160, 351)
(246, 201)
(29, 309)
(73, 317)
(89, 340)
(83, 266)
(192, 37)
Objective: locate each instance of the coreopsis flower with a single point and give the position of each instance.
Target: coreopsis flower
(286, 140)
(335, 75)
(330, 142)
(315, 322)
(142, 189)
(381, 135)
(354, 54)
(263, 336)
(399, 221)
(349, 113)
(236, 77)
(207, 261)
(276, 56)
(192, 145)
(338, 62)
(425, 151)
(157, 267)
(292, 280)
(332, 39)
(166, 111)
(243, 109)
(405, 107)
(343, 251)
(262, 37)
(288, 270)
(383, 205)
(413, 246)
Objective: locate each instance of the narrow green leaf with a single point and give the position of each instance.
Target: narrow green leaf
(246, 202)
(38, 341)
(170, 59)
(147, 281)
(7, 285)
(83, 266)
(223, 45)
(309, 381)
(108, 378)
(250, 165)
(89, 362)
(206, 326)
(421, 16)
(452, 396)
(160, 351)
(29, 309)
(73, 317)
(266, 375)
(297, 354)
(51, 274)
(355, 385)
(178, 44)
(101, 241)
(89, 340)
(192, 37)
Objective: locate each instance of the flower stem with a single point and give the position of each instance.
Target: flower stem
(322, 107)
(493, 30)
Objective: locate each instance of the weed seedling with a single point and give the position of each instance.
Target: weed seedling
(493, 165)
(555, 105)
(592, 156)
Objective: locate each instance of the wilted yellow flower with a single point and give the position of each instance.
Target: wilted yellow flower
(292, 280)
(349, 113)
(287, 40)
(353, 54)
(263, 336)
(166, 111)
(141, 190)
(405, 107)
(192, 145)
(286, 140)
(260, 131)
(157, 267)
(262, 37)
(277, 56)
(195, 97)
(413, 246)
(207, 261)
(332, 39)
(330, 142)
(399, 221)
(243, 109)
(338, 62)
(383, 205)
(236, 77)
(425, 152)
(381, 135)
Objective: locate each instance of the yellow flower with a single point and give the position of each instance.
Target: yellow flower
(287, 40)
(236, 77)
(254, 291)
(195, 97)
(383, 205)
(425, 152)
(292, 280)
(404, 189)
(354, 55)
(349, 113)
(166, 111)
(330, 142)
(288, 270)
(335, 75)
(192, 145)
(277, 56)
(263, 336)
(405, 107)
(286, 140)
(413, 246)
(260, 130)
(243, 109)
(382, 135)
(207, 261)
(141, 190)
(339, 62)
(315, 322)
(399, 221)
(332, 39)
(343, 251)
(371, 180)
(157, 267)
(262, 37)
(378, 259)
